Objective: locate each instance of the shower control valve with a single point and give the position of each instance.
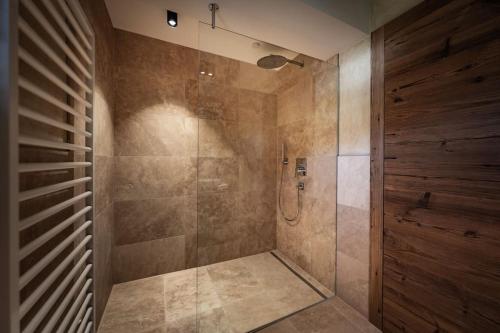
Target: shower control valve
(301, 186)
(300, 167)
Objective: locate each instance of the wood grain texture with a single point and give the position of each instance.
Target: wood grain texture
(376, 178)
(441, 175)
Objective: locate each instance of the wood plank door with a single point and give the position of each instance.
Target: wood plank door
(441, 168)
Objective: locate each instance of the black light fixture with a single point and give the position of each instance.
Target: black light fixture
(171, 18)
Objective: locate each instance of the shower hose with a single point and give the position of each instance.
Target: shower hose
(299, 201)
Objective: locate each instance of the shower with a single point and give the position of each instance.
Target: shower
(300, 169)
(275, 61)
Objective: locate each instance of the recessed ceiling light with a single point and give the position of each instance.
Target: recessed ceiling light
(202, 73)
(172, 18)
(210, 74)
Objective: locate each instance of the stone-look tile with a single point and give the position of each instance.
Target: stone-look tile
(326, 93)
(306, 276)
(225, 70)
(139, 260)
(141, 52)
(256, 142)
(323, 247)
(153, 177)
(219, 252)
(180, 290)
(252, 77)
(217, 219)
(148, 91)
(257, 216)
(103, 110)
(232, 296)
(143, 220)
(258, 289)
(257, 108)
(352, 282)
(298, 137)
(136, 306)
(103, 187)
(353, 231)
(217, 101)
(354, 113)
(307, 123)
(103, 245)
(332, 315)
(217, 174)
(151, 133)
(354, 181)
(297, 102)
(218, 138)
(257, 175)
(103, 123)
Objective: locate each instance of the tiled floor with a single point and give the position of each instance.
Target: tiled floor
(332, 315)
(233, 296)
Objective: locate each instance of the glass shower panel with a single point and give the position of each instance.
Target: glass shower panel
(242, 281)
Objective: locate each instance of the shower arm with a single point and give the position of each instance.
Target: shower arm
(295, 62)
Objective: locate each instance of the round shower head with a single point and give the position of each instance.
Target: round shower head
(274, 61)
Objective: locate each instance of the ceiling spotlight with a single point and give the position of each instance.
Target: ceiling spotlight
(210, 74)
(172, 18)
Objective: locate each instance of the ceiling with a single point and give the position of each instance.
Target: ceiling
(285, 27)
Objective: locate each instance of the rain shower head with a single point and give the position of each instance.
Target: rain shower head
(274, 61)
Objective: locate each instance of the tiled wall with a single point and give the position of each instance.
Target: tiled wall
(195, 158)
(307, 123)
(103, 148)
(155, 145)
(353, 216)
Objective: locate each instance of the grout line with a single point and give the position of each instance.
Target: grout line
(299, 276)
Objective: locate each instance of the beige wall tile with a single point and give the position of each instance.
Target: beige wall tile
(353, 230)
(217, 218)
(354, 181)
(103, 246)
(103, 110)
(352, 282)
(143, 220)
(180, 134)
(255, 78)
(143, 53)
(139, 260)
(144, 177)
(103, 123)
(103, 186)
(354, 113)
(218, 138)
(217, 174)
(307, 122)
(296, 102)
(217, 101)
(155, 134)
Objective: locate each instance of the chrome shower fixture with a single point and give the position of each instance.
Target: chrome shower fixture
(213, 7)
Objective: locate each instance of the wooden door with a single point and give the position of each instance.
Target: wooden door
(436, 154)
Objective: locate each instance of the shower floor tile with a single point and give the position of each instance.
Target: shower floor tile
(232, 296)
